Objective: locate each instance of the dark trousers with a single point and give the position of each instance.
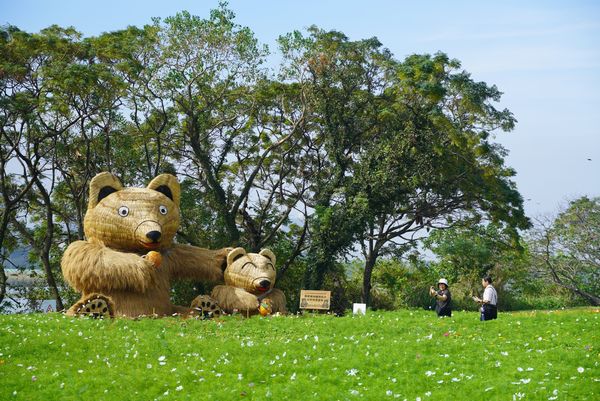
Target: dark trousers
(444, 312)
(489, 312)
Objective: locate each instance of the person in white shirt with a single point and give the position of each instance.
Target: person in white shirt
(489, 309)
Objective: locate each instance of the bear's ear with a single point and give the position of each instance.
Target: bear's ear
(101, 186)
(269, 255)
(167, 185)
(234, 255)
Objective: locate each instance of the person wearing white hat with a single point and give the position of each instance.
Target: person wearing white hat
(442, 297)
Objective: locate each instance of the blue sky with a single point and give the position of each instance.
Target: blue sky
(544, 56)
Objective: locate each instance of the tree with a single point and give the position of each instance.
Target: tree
(567, 248)
(32, 122)
(234, 132)
(342, 81)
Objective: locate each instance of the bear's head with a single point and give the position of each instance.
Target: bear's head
(254, 272)
(133, 219)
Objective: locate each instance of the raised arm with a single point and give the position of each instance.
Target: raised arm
(186, 261)
(279, 301)
(232, 298)
(92, 267)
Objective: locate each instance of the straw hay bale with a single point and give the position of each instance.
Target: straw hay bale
(249, 279)
(121, 226)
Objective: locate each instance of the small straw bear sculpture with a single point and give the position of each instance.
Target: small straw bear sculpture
(126, 265)
(249, 281)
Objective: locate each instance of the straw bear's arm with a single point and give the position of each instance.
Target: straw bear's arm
(186, 261)
(278, 301)
(230, 298)
(92, 267)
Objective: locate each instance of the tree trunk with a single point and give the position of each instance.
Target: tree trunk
(51, 282)
(45, 249)
(80, 217)
(366, 288)
(2, 283)
(591, 298)
(3, 228)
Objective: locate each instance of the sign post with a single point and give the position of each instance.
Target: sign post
(311, 299)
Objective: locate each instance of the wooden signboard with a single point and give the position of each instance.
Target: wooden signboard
(310, 299)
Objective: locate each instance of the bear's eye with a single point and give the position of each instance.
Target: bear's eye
(123, 211)
(162, 209)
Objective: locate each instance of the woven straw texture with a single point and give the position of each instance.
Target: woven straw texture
(122, 225)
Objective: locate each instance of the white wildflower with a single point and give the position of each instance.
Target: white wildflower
(580, 369)
(179, 388)
(352, 372)
(429, 373)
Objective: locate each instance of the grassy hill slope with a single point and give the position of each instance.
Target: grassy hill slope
(546, 355)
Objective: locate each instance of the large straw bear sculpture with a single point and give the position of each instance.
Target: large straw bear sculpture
(249, 280)
(126, 265)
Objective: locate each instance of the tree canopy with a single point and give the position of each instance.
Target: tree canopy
(566, 248)
(342, 148)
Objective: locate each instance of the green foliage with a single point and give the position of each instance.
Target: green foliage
(474, 250)
(395, 284)
(409, 354)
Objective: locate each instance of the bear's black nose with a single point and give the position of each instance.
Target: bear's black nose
(153, 235)
(265, 284)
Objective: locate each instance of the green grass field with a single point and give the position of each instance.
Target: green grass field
(412, 355)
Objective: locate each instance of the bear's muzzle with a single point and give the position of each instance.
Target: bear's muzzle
(149, 234)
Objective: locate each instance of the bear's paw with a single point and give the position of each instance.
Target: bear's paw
(95, 306)
(206, 307)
